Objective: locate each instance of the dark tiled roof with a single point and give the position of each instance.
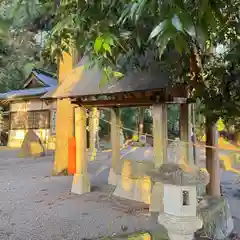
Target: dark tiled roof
(24, 93)
(89, 83)
(47, 79)
(139, 81)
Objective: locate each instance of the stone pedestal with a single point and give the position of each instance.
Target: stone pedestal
(180, 228)
(156, 203)
(81, 184)
(134, 189)
(113, 177)
(134, 182)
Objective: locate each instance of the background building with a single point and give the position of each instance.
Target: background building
(28, 111)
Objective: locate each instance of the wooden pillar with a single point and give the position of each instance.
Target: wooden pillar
(115, 140)
(186, 132)
(81, 180)
(212, 161)
(160, 134)
(160, 142)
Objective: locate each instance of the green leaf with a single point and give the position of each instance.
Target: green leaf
(165, 37)
(204, 6)
(107, 48)
(123, 16)
(140, 9)
(181, 44)
(176, 22)
(138, 41)
(62, 25)
(133, 10)
(98, 44)
(118, 74)
(103, 81)
(4, 26)
(187, 24)
(157, 30)
(109, 40)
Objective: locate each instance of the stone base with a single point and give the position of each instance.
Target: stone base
(81, 184)
(156, 204)
(173, 236)
(180, 228)
(113, 178)
(134, 189)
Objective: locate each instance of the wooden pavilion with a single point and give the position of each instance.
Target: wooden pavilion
(152, 87)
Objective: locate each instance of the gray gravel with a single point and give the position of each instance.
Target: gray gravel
(35, 206)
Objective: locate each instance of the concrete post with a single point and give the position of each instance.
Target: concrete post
(160, 134)
(115, 139)
(186, 132)
(81, 180)
(160, 142)
(93, 130)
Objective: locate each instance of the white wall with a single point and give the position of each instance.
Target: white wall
(16, 136)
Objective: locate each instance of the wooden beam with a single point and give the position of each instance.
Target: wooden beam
(110, 103)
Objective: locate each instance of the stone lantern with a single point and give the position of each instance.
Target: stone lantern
(180, 199)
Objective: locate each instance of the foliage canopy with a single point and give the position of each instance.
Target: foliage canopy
(179, 35)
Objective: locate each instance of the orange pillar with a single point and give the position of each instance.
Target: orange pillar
(72, 156)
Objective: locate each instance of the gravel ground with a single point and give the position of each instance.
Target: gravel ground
(34, 205)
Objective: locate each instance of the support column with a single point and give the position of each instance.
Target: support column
(141, 120)
(81, 180)
(160, 143)
(93, 130)
(186, 132)
(160, 134)
(115, 140)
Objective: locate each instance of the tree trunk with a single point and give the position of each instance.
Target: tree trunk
(212, 160)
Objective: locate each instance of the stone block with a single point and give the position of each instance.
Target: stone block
(217, 218)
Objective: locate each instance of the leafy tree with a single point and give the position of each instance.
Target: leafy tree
(20, 50)
(123, 35)
(178, 35)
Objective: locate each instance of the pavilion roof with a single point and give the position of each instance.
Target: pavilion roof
(84, 81)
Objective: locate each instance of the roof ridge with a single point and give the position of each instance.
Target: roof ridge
(52, 75)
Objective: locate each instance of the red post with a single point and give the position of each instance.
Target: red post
(72, 156)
